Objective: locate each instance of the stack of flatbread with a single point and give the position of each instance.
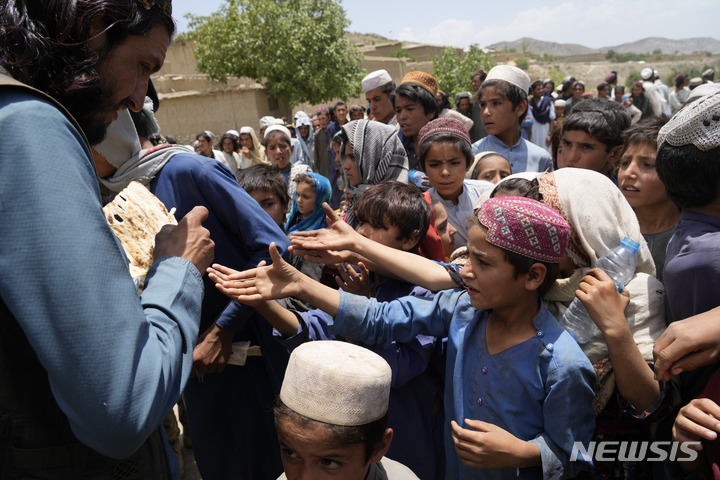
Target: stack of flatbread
(136, 216)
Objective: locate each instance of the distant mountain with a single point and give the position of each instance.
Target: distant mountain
(685, 45)
(539, 47)
(646, 45)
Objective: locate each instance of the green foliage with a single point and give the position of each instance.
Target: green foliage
(616, 57)
(453, 71)
(689, 70)
(632, 77)
(402, 53)
(296, 48)
(522, 63)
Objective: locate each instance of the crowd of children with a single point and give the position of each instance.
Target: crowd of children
(455, 261)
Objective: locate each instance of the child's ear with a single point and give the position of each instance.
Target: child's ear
(382, 447)
(536, 276)
(409, 242)
(614, 154)
(520, 109)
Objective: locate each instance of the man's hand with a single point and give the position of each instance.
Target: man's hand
(688, 344)
(485, 445)
(188, 239)
(212, 352)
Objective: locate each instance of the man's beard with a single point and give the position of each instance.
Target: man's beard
(92, 126)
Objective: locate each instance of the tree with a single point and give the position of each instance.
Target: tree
(522, 63)
(452, 71)
(296, 48)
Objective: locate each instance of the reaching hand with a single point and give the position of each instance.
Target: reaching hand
(353, 282)
(688, 344)
(278, 280)
(697, 420)
(339, 235)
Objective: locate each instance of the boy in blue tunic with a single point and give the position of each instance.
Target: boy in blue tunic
(519, 389)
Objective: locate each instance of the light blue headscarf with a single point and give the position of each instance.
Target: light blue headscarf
(316, 219)
(308, 146)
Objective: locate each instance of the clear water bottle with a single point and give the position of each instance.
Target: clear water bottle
(619, 263)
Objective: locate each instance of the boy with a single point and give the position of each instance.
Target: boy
(415, 105)
(320, 436)
(592, 136)
(688, 163)
(267, 186)
(379, 91)
(504, 104)
(497, 330)
(445, 157)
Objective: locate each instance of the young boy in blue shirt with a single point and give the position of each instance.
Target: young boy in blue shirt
(518, 388)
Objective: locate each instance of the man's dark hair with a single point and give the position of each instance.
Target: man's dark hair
(691, 176)
(206, 135)
(602, 86)
(389, 90)
(339, 103)
(264, 177)
(45, 44)
(603, 120)
(518, 187)
(645, 131)
(233, 138)
(462, 146)
(418, 94)
(509, 91)
(395, 203)
(680, 80)
(479, 73)
(369, 435)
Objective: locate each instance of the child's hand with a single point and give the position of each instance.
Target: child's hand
(603, 302)
(331, 245)
(278, 280)
(696, 421)
(485, 445)
(353, 282)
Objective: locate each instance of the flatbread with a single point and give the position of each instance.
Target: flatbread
(136, 216)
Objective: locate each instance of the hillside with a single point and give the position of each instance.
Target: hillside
(666, 45)
(531, 45)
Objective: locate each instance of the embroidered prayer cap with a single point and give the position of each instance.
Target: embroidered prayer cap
(526, 227)
(422, 79)
(512, 75)
(446, 125)
(337, 383)
(375, 79)
(281, 128)
(611, 77)
(701, 91)
(697, 124)
(164, 5)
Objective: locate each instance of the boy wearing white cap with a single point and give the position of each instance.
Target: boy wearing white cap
(379, 91)
(503, 102)
(331, 415)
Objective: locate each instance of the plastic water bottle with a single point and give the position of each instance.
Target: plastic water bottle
(619, 263)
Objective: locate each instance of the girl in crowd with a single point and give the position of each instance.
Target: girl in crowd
(252, 152)
(640, 100)
(279, 150)
(229, 144)
(306, 212)
(306, 138)
(489, 166)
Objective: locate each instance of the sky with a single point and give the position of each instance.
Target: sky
(460, 23)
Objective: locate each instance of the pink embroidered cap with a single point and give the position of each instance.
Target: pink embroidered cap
(526, 227)
(446, 125)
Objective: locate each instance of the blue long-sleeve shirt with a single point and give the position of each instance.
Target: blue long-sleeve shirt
(116, 363)
(524, 156)
(539, 390)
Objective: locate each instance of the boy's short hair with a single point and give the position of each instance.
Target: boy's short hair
(395, 203)
(509, 91)
(264, 177)
(688, 160)
(417, 94)
(461, 145)
(603, 120)
(645, 131)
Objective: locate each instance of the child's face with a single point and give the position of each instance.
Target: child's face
(493, 169)
(341, 113)
(356, 115)
(313, 451)
(387, 235)
(279, 151)
(228, 146)
(637, 177)
(445, 167)
(352, 173)
(305, 198)
(581, 150)
(498, 113)
(445, 229)
(464, 105)
(410, 116)
(560, 111)
(246, 141)
(381, 107)
(304, 131)
(489, 277)
(271, 204)
(204, 146)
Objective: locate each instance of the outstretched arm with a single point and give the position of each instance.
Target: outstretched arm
(342, 243)
(269, 282)
(635, 381)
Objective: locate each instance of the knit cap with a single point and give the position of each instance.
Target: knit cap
(446, 125)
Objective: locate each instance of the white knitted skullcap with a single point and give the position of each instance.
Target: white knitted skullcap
(267, 121)
(232, 132)
(510, 74)
(697, 124)
(646, 73)
(281, 128)
(375, 79)
(245, 130)
(337, 383)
